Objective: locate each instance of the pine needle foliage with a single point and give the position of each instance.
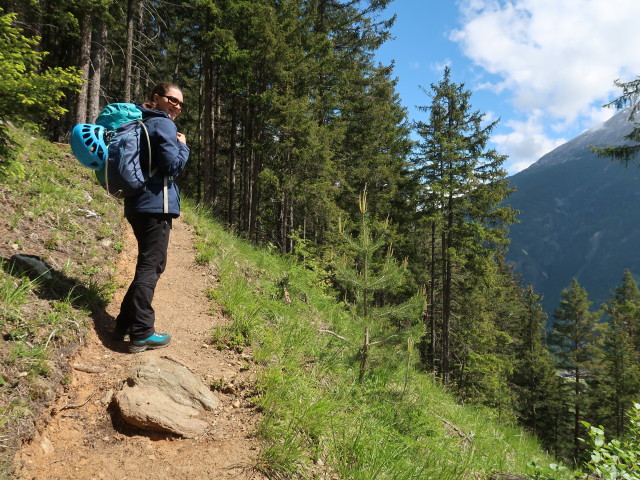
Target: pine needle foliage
(626, 154)
(365, 275)
(26, 92)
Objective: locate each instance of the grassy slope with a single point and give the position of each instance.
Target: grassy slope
(318, 419)
(51, 208)
(398, 424)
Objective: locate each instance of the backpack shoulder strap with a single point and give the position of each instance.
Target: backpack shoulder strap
(152, 172)
(146, 132)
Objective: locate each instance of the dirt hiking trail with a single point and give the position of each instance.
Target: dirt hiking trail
(81, 437)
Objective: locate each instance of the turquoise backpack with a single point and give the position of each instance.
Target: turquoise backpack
(115, 114)
(111, 147)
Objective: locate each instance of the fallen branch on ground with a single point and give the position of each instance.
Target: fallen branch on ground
(332, 333)
(89, 368)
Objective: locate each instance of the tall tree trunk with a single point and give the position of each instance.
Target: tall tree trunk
(447, 291)
(176, 68)
(253, 184)
(208, 132)
(232, 164)
(243, 202)
(446, 311)
(432, 297)
(282, 218)
(255, 190)
(249, 173)
(140, 82)
(97, 60)
(85, 65)
(132, 9)
(291, 226)
(576, 419)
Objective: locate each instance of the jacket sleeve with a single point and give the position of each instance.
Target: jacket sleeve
(168, 154)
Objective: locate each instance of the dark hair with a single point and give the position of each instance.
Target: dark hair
(162, 88)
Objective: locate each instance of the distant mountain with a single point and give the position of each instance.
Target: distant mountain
(579, 217)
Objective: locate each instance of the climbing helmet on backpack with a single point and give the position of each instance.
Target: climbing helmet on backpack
(88, 145)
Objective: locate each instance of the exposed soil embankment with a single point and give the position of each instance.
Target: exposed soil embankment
(81, 436)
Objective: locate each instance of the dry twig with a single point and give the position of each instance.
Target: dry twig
(332, 333)
(70, 407)
(89, 368)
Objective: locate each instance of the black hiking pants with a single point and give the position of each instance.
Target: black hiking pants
(136, 313)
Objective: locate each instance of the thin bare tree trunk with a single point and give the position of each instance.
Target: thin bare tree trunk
(176, 68)
(291, 220)
(446, 308)
(256, 168)
(246, 172)
(208, 133)
(282, 219)
(232, 165)
(140, 82)
(97, 55)
(132, 8)
(85, 65)
(364, 355)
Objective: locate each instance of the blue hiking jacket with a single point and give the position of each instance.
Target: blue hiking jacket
(167, 154)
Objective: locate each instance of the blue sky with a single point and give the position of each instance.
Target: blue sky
(544, 67)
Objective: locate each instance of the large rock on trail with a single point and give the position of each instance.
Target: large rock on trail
(162, 395)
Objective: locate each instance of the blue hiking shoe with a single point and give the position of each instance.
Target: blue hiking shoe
(157, 340)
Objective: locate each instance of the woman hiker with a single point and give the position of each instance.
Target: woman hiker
(150, 215)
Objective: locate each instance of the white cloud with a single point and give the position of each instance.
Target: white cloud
(489, 117)
(598, 115)
(440, 66)
(558, 58)
(526, 142)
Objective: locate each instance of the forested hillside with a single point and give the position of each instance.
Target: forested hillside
(578, 216)
(299, 142)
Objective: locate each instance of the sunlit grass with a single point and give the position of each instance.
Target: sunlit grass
(399, 423)
(13, 294)
(55, 211)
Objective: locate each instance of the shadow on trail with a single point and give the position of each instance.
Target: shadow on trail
(53, 285)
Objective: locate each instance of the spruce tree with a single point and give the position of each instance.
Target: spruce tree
(619, 385)
(536, 384)
(575, 342)
(27, 91)
(462, 212)
(627, 153)
(365, 269)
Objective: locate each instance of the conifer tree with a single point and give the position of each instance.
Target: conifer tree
(463, 187)
(483, 362)
(627, 153)
(575, 342)
(536, 384)
(619, 385)
(363, 271)
(26, 90)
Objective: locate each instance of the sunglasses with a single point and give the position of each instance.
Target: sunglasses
(173, 100)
